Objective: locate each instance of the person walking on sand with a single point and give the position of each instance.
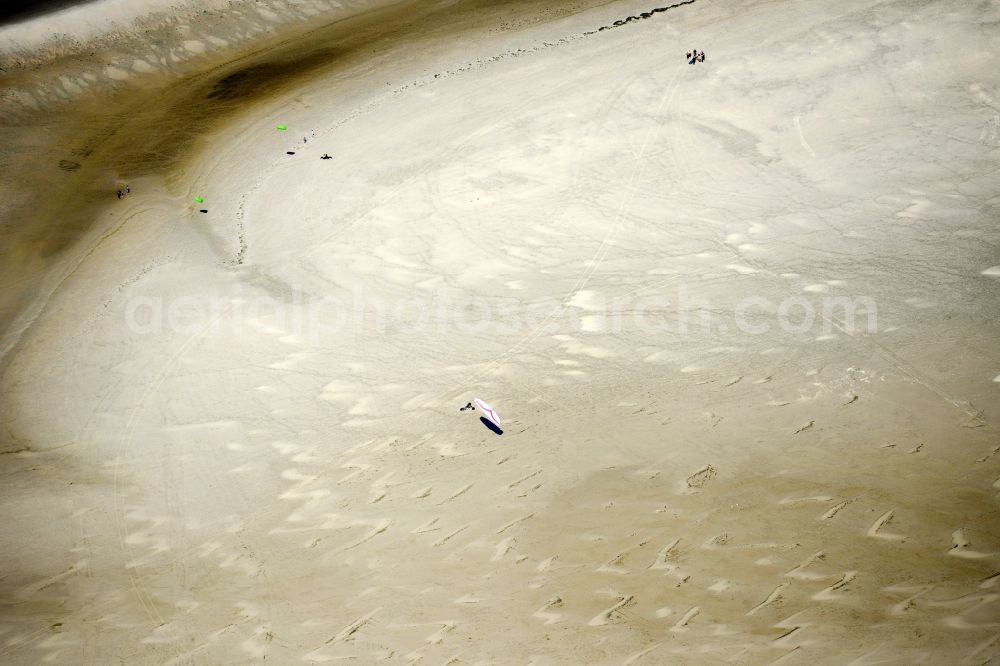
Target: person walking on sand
(127, 190)
(701, 57)
(119, 193)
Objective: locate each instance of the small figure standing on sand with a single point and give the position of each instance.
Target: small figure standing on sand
(701, 57)
(119, 193)
(687, 56)
(127, 190)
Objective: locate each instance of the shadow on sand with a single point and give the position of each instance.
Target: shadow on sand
(492, 426)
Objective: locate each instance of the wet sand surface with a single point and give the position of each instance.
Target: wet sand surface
(235, 436)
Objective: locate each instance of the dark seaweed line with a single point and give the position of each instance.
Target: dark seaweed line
(428, 80)
(481, 62)
(643, 15)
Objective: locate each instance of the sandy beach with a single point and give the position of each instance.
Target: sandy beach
(740, 321)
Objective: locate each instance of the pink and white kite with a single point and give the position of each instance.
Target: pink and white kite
(488, 411)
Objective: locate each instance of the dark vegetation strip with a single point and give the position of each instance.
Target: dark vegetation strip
(640, 17)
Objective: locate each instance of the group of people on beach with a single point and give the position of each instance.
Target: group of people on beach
(123, 191)
(695, 56)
